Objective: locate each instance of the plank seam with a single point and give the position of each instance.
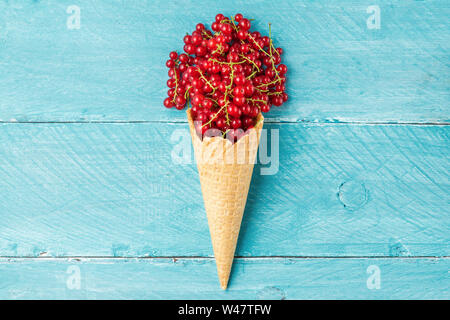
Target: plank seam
(267, 121)
(212, 258)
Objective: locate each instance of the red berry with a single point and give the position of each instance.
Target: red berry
(238, 17)
(239, 91)
(244, 48)
(249, 89)
(171, 83)
(265, 108)
(200, 27)
(173, 55)
(247, 122)
(282, 69)
(215, 26)
(219, 17)
(183, 58)
(236, 123)
(206, 103)
(170, 63)
(277, 100)
(234, 111)
(180, 101)
(244, 24)
(197, 100)
(187, 39)
(220, 123)
(239, 100)
(242, 34)
(200, 51)
(239, 79)
(168, 103)
(226, 29)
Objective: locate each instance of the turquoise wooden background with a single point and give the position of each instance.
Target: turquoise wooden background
(92, 206)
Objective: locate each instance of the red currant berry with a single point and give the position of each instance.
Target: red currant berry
(244, 48)
(277, 100)
(242, 34)
(180, 101)
(239, 91)
(249, 89)
(238, 17)
(168, 103)
(282, 69)
(219, 17)
(200, 27)
(187, 39)
(265, 108)
(236, 123)
(200, 51)
(239, 100)
(173, 55)
(220, 123)
(171, 83)
(215, 26)
(207, 103)
(239, 79)
(244, 24)
(183, 58)
(234, 110)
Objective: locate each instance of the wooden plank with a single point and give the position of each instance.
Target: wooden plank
(113, 190)
(251, 278)
(112, 68)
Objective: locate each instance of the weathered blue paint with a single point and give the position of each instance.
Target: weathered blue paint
(113, 190)
(368, 192)
(252, 278)
(112, 68)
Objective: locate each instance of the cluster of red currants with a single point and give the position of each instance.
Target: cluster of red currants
(228, 76)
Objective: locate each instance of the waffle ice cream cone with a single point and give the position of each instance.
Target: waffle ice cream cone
(225, 172)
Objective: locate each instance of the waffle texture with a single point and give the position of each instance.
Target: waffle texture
(225, 172)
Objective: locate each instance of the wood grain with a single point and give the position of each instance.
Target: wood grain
(112, 68)
(363, 176)
(113, 190)
(252, 278)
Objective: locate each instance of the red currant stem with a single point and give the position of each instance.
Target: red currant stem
(270, 83)
(252, 62)
(219, 47)
(257, 123)
(254, 73)
(261, 90)
(251, 37)
(176, 87)
(213, 100)
(271, 42)
(270, 37)
(271, 55)
(206, 34)
(206, 80)
(225, 133)
(187, 92)
(256, 100)
(224, 62)
(276, 71)
(215, 116)
(233, 24)
(226, 93)
(274, 93)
